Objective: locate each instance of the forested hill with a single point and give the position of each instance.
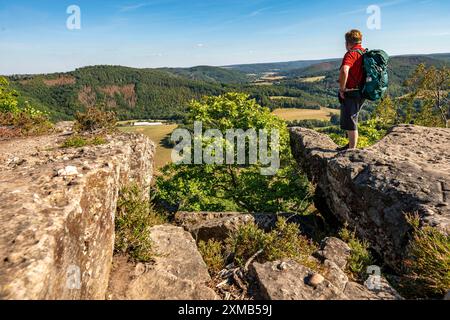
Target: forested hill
(132, 93)
(165, 93)
(210, 74)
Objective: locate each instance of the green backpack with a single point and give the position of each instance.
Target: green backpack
(376, 71)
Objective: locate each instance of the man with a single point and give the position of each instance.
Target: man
(351, 80)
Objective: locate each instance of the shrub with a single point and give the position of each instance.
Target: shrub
(360, 256)
(95, 119)
(135, 216)
(282, 242)
(8, 98)
(27, 120)
(212, 253)
(428, 262)
(78, 141)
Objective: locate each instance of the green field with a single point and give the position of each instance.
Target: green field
(305, 114)
(156, 134)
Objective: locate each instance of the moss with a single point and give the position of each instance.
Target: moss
(135, 216)
(78, 141)
(360, 256)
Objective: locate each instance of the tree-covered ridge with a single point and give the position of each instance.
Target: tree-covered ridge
(210, 74)
(165, 93)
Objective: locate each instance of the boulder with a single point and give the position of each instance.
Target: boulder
(373, 189)
(334, 250)
(218, 225)
(382, 288)
(178, 272)
(292, 281)
(57, 210)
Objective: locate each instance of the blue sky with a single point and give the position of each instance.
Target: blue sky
(155, 33)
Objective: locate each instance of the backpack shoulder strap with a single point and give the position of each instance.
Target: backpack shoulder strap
(361, 52)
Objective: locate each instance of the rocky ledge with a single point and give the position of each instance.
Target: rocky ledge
(374, 189)
(57, 212)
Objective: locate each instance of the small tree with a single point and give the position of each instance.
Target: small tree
(386, 112)
(234, 187)
(431, 86)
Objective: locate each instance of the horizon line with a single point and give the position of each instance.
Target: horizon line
(206, 65)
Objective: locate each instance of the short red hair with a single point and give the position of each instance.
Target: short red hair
(354, 37)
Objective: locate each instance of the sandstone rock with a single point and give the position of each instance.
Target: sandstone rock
(177, 254)
(381, 288)
(335, 250)
(355, 291)
(315, 280)
(218, 225)
(291, 283)
(68, 171)
(373, 189)
(57, 232)
(178, 273)
(335, 275)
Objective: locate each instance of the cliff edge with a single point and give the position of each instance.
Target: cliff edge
(374, 189)
(57, 210)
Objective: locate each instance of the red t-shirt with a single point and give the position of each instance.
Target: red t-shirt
(355, 61)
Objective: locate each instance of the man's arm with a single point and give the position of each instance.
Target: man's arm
(343, 77)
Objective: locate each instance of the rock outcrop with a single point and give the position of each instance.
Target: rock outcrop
(57, 212)
(289, 280)
(218, 225)
(373, 189)
(178, 272)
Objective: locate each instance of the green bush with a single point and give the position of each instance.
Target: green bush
(78, 141)
(135, 216)
(360, 256)
(95, 119)
(428, 260)
(284, 241)
(8, 98)
(212, 253)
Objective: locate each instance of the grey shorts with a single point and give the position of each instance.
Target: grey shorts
(350, 108)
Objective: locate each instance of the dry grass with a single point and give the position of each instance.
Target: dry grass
(305, 114)
(156, 134)
(312, 79)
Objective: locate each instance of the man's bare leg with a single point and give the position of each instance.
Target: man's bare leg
(353, 139)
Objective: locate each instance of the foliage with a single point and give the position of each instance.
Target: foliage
(135, 216)
(221, 187)
(370, 132)
(78, 141)
(360, 257)
(386, 112)
(8, 98)
(284, 241)
(430, 87)
(428, 260)
(310, 124)
(95, 119)
(23, 119)
(212, 253)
